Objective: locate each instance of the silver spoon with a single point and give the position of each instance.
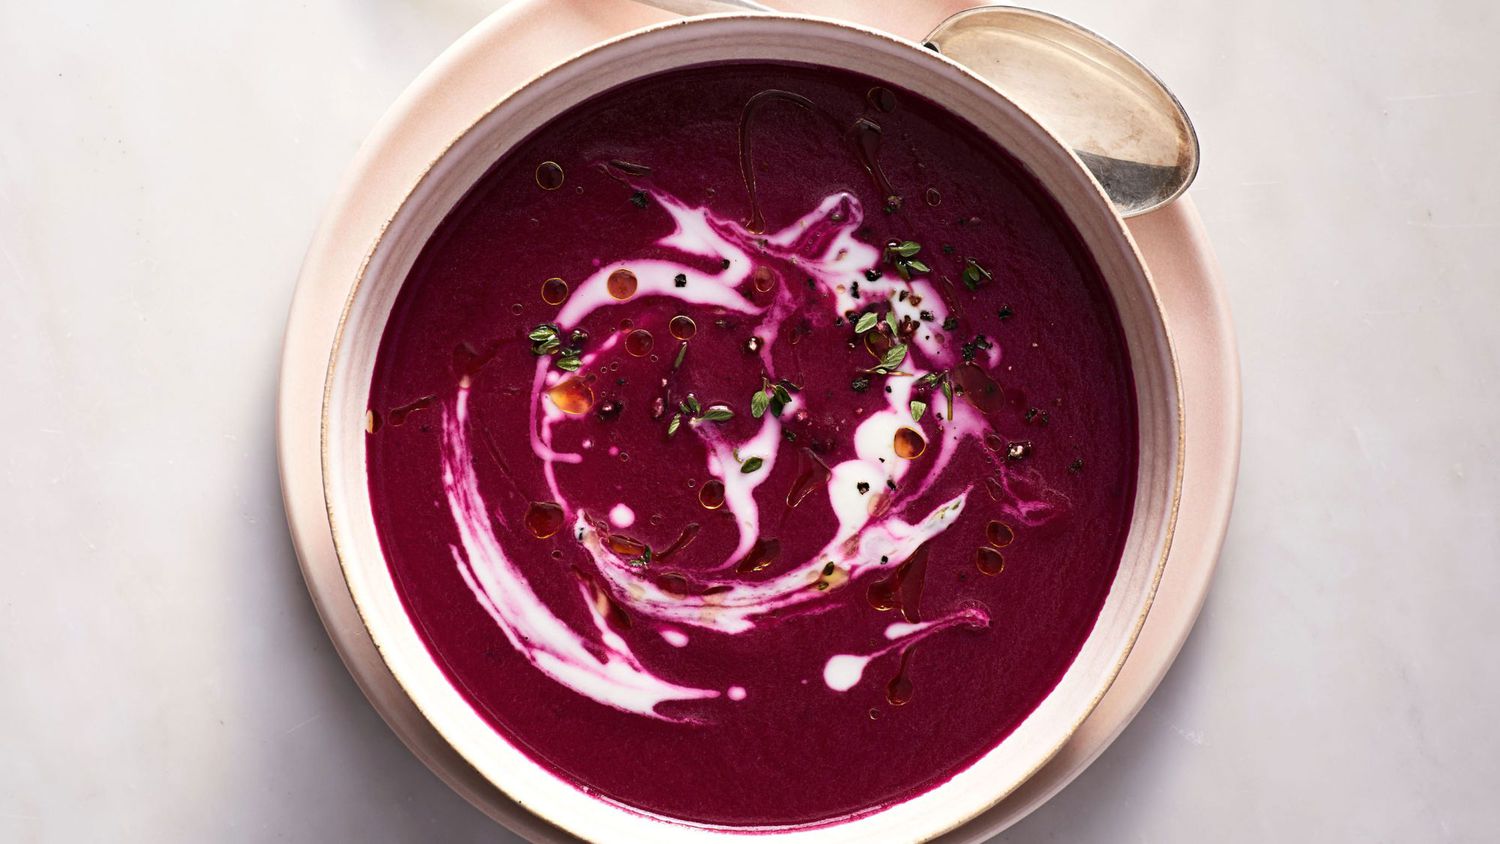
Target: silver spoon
(1123, 123)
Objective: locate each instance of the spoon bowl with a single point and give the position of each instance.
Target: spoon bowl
(1116, 115)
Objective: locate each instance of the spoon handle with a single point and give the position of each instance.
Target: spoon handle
(706, 7)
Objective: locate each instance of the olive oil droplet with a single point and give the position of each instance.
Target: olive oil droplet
(999, 534)
(572, 396)
(682, 327)
(908, 444)
(554, 291)
(549, 175)
(543, 518)
(621, 284)
(989, 561)
(638, 343)
(711, 496)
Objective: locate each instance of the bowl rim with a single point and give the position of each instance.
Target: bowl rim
(563, 66)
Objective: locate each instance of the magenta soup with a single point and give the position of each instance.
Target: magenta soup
(754, 444)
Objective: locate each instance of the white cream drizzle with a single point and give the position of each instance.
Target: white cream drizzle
(823, 246)
(843, 672)
(615, 678)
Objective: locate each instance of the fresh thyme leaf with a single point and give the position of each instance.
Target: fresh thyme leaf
(681, 353)
(866, 322)
(948, 394)
(975, 275)
(758, 403)
(569, 363)
(918, 267)
(908, 248)
(644, 559)
(781, 393)
(890, 320)
(674, 424)
(751, 465)
(917, 409)
(545, 340)
(693, 406)
(716, 413)
(929, 379)
(893, 357)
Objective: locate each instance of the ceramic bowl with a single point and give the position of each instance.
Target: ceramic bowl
(667, 47)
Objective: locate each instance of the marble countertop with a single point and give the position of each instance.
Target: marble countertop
(165, 678)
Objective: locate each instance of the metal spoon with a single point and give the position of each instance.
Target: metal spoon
(1123, 123)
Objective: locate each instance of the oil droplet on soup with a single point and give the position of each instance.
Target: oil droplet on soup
(682, 327)
(572, 396)
(908, 443)
(549, 175)
(625, 546)
(638, 342)
(989, 561)
(543, 518)
(764, 279)
(999, 534)
(883, 99)
(711, 495)
(554, 291)
(761, 555)
(900, 689)
(621, 284)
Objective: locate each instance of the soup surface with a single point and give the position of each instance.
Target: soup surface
(754, 444)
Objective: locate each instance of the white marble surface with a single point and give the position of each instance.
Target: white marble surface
(165, 679)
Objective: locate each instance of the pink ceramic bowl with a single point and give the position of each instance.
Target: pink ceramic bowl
(718, 39)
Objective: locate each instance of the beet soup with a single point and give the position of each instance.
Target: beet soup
(754, 444)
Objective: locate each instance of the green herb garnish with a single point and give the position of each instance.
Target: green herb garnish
(975, 275)
(892, 359)
(917, 409)
(758, 403)
(544, 339)
(772, 397)
(716, 413)
(866, 322)
(674, 424)
(681, 353)
(902, 254)
(751, 465)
